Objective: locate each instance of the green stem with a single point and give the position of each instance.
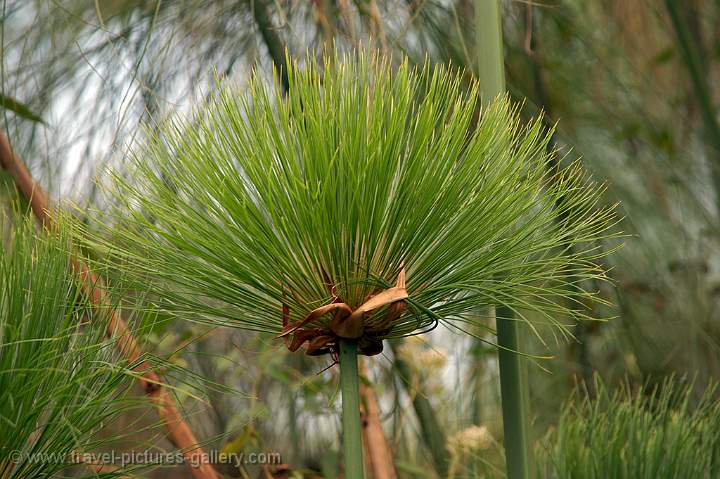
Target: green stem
(513, 387)
(350, 388)
(491, 69)
(513, 380)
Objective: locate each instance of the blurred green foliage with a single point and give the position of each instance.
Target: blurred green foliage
(659, 431)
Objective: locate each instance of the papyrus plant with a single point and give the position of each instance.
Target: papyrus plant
(664, 430)
(60, 379)
(370, 202)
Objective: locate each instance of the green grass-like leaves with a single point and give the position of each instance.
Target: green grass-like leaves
(59, 377)
(364, 168)
(651, 433)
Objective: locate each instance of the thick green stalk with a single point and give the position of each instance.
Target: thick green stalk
(513, 380)
(513, 388)
(488, 27)
(350, 388)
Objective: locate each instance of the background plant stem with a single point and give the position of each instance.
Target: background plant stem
(432, 434)
(378, 453)
(350, 389)
(488, 27)
(276, 47)
(513, 381)
(689, 50)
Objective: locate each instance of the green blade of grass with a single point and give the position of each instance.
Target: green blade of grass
(19, 108)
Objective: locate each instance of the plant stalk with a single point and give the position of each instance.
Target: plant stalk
(513, 380)
(350, 389)
(491, 67)
(513, 389)
(273, 42)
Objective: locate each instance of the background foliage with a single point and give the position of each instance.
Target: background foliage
(61, 380)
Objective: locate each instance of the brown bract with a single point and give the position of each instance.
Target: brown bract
(346, 323)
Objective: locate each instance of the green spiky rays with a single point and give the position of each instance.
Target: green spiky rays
(258, 201)
(261, 208)
(59, 377)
